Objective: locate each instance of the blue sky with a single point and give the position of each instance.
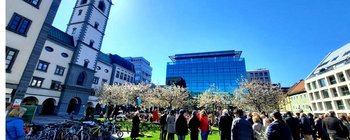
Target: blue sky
(288, 37)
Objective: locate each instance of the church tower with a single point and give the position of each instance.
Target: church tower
(87, 26)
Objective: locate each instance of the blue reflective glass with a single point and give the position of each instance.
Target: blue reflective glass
(200, 73)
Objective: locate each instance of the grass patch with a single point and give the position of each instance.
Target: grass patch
(155, 135)
(151, 131)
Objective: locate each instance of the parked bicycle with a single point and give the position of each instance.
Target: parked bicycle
(73, 130)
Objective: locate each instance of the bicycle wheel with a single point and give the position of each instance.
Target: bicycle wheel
(120, 134)
(60, 135)
(86, 136)
(106, 135)
(30, 137)
(75, 137)
(45, 136)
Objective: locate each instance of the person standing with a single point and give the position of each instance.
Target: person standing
(332, 126)
(312, 122)
(101, 114)
(135, 126)
(294, 125)
(258, 128)
(194, 126)
(211, 118)
(155, 115)
(278, 130)
(115, 112)
(163, 125)
(306, 129)
(225, 124)
(110, 111)
(204, 125)
(170, 120)
(181, 126)
(250, 117)
(15, 125)
(90, 111)
(241, 128)
(264, 120)
(345, 125)
(318, 128)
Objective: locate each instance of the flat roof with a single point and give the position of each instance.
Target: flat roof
(206, 54)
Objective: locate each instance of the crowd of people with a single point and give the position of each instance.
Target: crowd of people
(240, 125)
(232, 125)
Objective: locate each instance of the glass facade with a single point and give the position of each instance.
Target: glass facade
(222, 69)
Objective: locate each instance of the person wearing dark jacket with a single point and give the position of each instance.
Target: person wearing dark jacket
(278, 130)
(225, 124)
(110, 111)
(115, 112)
(90, 111)
(294, 125)
(135, 126)
(181, 127)
(250, 118)
(241, 128)
(306, 129)
(163, 126)
(320, 131)
(332, 126)
(15, 125)
(312, 122)
(194, 126)
(345, 125)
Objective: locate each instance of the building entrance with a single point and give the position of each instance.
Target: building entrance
(74, 105)
(48, 107)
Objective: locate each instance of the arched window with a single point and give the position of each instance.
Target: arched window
(81, 78)
(80, 11)
(101, 6)
(74, 30)
(86, 63)
(83, 1)
(96, 25)
(91, 43)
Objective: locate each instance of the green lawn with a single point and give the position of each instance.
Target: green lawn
(152, 132)
(155, 136)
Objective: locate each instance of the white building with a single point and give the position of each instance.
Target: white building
(142, 68)
(50, 72)
(113, 70)
(27, 25)
(328, 85)
(298, 98)
(262, 75)
(55, 70)
(87, 25)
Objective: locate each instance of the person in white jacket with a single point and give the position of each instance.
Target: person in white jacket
(170, 121)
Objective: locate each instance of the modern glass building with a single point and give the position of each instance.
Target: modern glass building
(223, 69)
